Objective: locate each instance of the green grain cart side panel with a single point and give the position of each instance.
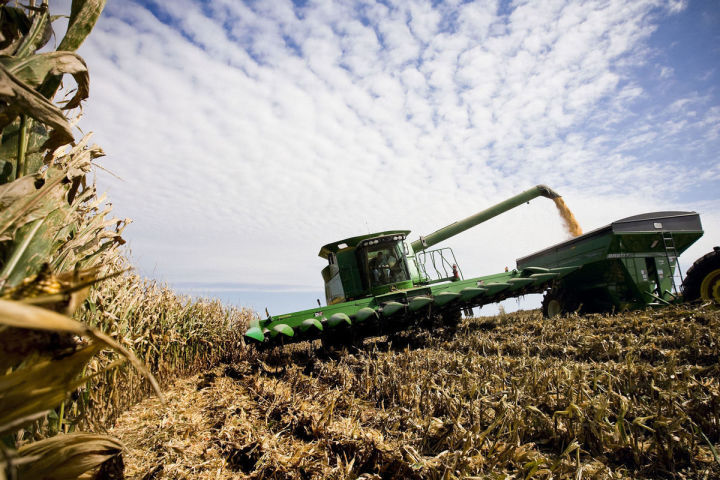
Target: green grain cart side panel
(627, 264)
(628, 237)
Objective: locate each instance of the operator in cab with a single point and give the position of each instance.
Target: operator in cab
(381, 267)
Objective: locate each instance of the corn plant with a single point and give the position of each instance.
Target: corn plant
(54, 243)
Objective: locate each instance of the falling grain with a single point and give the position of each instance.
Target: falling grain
(569, 220)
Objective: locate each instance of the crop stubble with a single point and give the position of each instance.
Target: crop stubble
(602, 396)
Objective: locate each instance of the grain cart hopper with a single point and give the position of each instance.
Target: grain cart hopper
(381, 282)
(631, 263)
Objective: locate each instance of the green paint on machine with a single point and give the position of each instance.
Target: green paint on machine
(379, 283)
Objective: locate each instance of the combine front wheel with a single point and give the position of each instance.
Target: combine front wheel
(703, 278)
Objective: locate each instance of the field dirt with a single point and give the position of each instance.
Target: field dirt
(515, 396)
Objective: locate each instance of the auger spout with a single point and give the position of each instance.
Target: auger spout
(460, 226)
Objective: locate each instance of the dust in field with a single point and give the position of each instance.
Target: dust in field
(594, 397)
(571, 224)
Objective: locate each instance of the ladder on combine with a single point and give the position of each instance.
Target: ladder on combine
(672, 258)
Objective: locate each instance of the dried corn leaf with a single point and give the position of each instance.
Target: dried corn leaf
(29, 393)
(16, 314)
(35, 69)
(38, 35)
(67, 457)
(22, 98)
(15, 24)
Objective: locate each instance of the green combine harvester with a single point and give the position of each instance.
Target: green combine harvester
(381, 283)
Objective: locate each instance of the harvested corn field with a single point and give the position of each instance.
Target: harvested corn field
(633, 395)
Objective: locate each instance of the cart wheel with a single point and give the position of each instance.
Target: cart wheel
(703, 278)
(557, 302)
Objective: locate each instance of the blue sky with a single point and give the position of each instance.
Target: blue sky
(243, 136)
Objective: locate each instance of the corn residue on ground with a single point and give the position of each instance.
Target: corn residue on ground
(627, 396)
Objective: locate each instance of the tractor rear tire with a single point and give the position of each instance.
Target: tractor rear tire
(557, 302)
(702, 280)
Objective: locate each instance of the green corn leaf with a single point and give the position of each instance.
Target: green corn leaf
(37, 136)
(38, 244)
(14, 268)
(83, 16)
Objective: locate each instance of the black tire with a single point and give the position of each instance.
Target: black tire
(702, 280)
(558, 302)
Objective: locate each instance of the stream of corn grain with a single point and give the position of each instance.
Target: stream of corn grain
(571, 224)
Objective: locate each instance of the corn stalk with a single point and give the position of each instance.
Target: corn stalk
(55, 241)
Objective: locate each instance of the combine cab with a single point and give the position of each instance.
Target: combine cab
(381, 283)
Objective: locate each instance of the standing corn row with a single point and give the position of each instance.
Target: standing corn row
(54, 244)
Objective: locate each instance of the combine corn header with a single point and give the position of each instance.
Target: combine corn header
(381, 283)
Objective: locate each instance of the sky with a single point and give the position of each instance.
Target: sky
(242, 136)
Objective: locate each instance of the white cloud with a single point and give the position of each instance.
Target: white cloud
(666, 72)
(249, 135)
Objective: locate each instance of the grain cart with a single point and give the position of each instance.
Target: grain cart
(382, 282)
(631, 263)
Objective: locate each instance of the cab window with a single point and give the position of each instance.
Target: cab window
(386, 264)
